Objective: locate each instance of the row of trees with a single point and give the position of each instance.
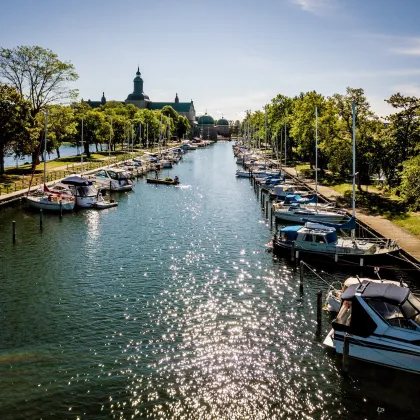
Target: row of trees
(36, 80)
(390, 149)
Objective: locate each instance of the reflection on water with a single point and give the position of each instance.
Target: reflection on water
(169, 306)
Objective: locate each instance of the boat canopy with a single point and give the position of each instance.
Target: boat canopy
(347, 225)
(384, 291)
(291, 232)
(296, 198)
(77, 181)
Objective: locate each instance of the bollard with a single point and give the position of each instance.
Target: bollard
(293, 251)
(61, 208)
(40, 218)
(14, 231)
(319, 308)
(346, 350)
(302, 272)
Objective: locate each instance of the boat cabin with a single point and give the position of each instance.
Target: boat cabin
(311, 232)
(368, 307)
(81, 187)
(115, 174)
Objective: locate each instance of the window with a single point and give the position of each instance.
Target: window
(319, 239)
(308, 237)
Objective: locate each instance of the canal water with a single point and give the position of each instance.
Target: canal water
(65, 151)
(170, 307)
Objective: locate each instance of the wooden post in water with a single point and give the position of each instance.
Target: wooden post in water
(302, 273)
(319, 308)
(293, 251)
(346, 350)
(266, 208)
(40, 219)
(61, 208)
(110, 189)
(14, 231)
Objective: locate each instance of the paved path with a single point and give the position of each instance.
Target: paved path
(407, 241)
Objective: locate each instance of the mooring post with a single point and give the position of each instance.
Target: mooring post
(110, 189)
(319, 308)
(266, 208)
(346, 350)
(40, 218)
(61, 208)
(302, 273)
(271, 217)
(293, 251)
(14, 231)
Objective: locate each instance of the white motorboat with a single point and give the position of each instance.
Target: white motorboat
(85, 193)
(381, 323)
(114, 179)
(280, 192)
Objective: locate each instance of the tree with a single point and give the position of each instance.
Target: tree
(39, 76)
(14, 121)
(410, 185)
(182, 127)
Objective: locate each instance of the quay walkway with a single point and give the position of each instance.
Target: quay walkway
(407, 241)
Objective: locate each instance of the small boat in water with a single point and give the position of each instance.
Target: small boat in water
(381, 323)
(47, 200)
(165, 181)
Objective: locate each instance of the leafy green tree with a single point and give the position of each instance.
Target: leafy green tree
(182, 126)
(15, 121)
(62, 126)
(401, 140)
(39, 76)
(410, 184)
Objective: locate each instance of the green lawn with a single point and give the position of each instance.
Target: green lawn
(408, 221)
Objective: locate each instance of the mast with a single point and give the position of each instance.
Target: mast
(109, 147)
(353, 105)
(81, 152)
(316, 156)
(285, 143)
(147, 136)
(45, 146)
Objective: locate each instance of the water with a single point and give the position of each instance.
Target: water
(65, 151)
(169, 307)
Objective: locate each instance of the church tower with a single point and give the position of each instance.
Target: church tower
(176, 99)
(138, 98)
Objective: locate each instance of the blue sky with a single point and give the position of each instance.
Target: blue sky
(228, 56)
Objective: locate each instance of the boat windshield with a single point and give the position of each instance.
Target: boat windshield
(86, 191)
(404, 316)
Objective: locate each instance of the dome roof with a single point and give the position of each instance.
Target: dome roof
(222, 121)
(206, 120)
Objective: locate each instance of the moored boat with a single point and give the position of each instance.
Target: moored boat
(381, 323)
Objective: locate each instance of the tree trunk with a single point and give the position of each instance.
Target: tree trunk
(58, 152)
(87, 151)
(96, 146)
(1, 161)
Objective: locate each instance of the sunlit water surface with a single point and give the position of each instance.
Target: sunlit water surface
(170, 307)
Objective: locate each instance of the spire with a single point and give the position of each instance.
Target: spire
(103, 99)
(138, 71)
(176, 99)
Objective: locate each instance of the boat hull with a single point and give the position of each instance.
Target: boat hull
(45, 204)
(378, 350)
(339, 259)
(161, 181)
(318, 217)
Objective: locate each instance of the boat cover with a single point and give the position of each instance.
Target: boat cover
(291, 232)
(384, 291)
(76, 180)
(347, 225)
(296, 198)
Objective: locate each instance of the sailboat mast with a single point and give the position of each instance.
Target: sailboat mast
(285, 148)
(81, 152)
(354, 161)
(109, 147)
(316, 154)
(45, 146)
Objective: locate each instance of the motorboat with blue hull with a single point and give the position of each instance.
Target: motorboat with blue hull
(381, 323)
(320, 243)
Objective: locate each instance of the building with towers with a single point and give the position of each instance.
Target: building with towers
(141, 100)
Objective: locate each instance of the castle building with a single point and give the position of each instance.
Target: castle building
(142, 101)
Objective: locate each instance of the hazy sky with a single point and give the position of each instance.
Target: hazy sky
(228, 56)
